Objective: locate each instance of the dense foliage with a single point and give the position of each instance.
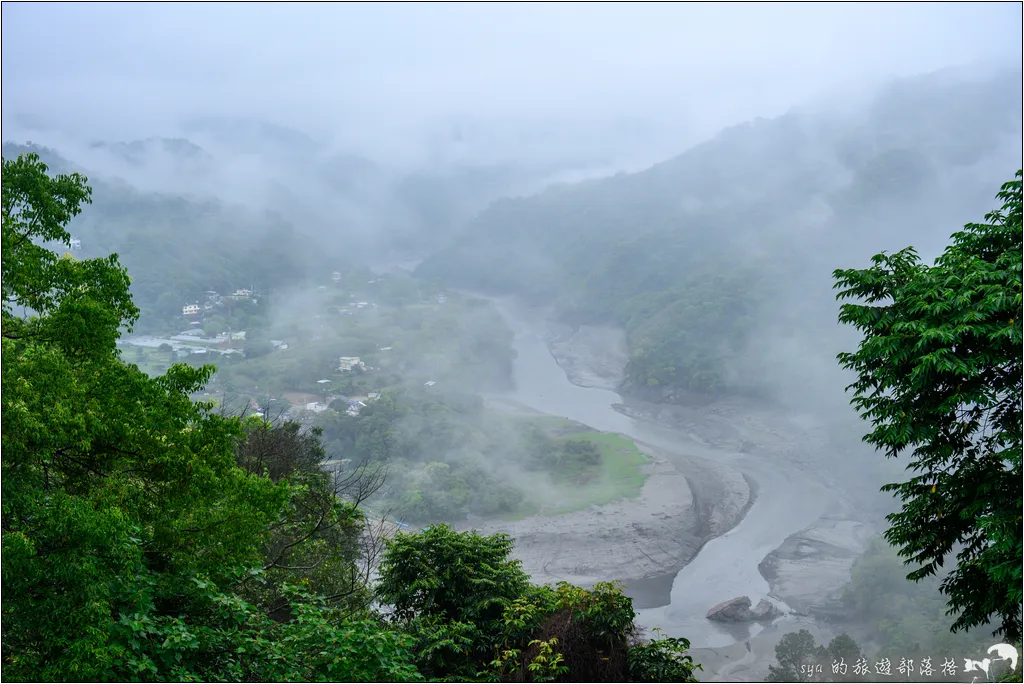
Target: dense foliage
(900, 618)
(475, 617)
(939, 376)
(147, 537)
(125, 515)
(799, 659)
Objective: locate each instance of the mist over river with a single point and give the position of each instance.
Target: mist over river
(788, 500)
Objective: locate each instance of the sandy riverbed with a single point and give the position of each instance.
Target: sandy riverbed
(590, 355)
(649, 535)
(710, 462)
(807, 571)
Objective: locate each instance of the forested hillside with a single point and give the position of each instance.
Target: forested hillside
(710, 260)
(148, 538)
(187, 218)
(177, 248)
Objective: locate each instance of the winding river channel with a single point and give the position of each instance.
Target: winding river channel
(788, 498)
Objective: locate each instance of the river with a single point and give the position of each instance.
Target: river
(788, 500)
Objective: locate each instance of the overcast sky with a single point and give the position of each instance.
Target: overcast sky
(123, 69)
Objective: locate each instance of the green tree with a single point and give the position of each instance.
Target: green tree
(131, 537)
(843, 649)
(255, 348)
(120, 496)
(475, 617)
(797, 658)
(939, 374)
(322, 540)
(214, 325)
(440, 572)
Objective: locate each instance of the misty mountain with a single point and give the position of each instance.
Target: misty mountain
(140, 153)
(247, 210)
(176, 247)
(252, 136)
(363, 207)
(712, 259)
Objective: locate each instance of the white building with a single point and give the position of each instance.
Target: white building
(76, 244)
(316, 407)
(190, 310)
(348, 363)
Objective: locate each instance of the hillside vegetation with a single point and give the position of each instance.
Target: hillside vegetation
(177, 248)
(146, 537)
(712, 259)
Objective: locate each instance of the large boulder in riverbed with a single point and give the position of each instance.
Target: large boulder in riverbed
(765, 611)
(734, 610)
(738, 610)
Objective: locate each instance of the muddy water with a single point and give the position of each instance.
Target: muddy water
(788, 499)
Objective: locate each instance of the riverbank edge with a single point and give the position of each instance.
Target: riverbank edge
(651, 535)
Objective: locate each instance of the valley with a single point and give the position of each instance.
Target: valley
(512, 343)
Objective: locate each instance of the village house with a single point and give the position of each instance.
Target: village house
(76, 244)
(190, 310)
(349, 363)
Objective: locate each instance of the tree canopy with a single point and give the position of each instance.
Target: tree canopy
(130, 533)
(939, 376)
